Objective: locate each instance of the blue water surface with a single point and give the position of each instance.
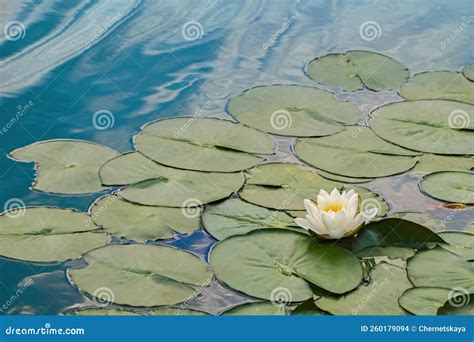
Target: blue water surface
(145, 60)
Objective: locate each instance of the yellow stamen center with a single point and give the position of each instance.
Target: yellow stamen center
(335, 207)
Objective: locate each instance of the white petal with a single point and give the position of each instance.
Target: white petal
(316, 225)
(322, 199)
(311, 208)
(337, 233)
(351, 208)
(356, 222)
(328, 221)
(303, 223)
(336, 196)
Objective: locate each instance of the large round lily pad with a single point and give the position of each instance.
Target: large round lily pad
(425, 220)
(236, 217)
(396, 233)
(141, 275)
(293, 110)
(283, 186)
(435, 126)
(446, 85)
(47, 234)
(140, 223)
(424, 301)
(158, 185)
(460, 243)
(124, 312)
(355, 152)
(66, 166)
(461, 304)
(275, 264)
(343, 179)
(378, 297)
(356, 70)
(440, 268)
(257, 309)
(203, 144)
(428, 163)
(449, 186)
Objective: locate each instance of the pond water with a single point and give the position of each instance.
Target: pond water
(134, 60)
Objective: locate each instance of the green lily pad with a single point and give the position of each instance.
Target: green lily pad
(425, 220)
(356, 70)
(433, 85)
(308, 308)
(428, 163)
(424, 301)
(124, 312)
(343, 179)
(257, 309)
(378, 297)
(461, 305)
(469, 228)
(395, 232)
(44, 234)
(277, 264)
(468, 72)
(66, 166)
(355, 152)
(292, 110)
(141, 275)
(236, 217)
(283, 186)
(440, 268)
(457, 187)
(390, 252)
(141, 223)
(158, 185)
(434, 126)
(203, 144)
(460, 243)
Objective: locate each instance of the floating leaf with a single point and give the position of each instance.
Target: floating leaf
(434, 126)
(158, 185)
(355, 152)
(236, 217)
(390, 252)
(424, 301)
(276, 263)
(378, 297)
(395, 232)
(140, 223)
(283, 186)
(66, 166)
(343, 179)
(141, 275)
(123, 312)
(468, 72)
(460, 243)
(44, 234)
(440, 268)
(460, 305)
(357, 69)
(308, 308)
(449, 186)
(428, 163)
(446, 85)
(257, 309)
(425, 220)
(203, 144)
(293, 110)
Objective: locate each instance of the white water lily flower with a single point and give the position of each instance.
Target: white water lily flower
(335, 215)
